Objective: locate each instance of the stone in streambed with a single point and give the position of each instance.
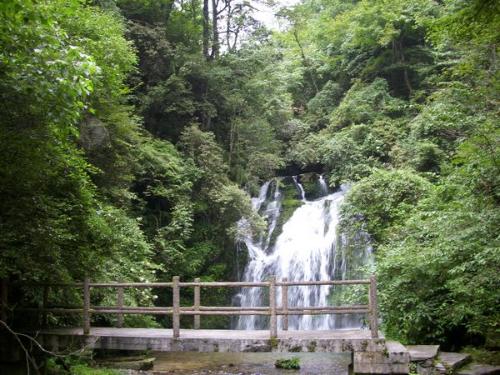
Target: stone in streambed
(422, 357)
(452, 361)
(394, 359)
(131, 364)
(479, 369)
(420, 353)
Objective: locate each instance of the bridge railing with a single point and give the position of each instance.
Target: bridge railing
(197, 310)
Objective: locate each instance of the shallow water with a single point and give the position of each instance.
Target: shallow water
(250, 363)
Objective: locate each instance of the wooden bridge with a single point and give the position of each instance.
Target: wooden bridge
(366, 344)
(197, 310)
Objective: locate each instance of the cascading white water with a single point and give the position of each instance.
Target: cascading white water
(300, 188)
(323, 185)
(309, 247)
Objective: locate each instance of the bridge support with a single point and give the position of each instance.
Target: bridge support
(196, 305)
(373, 307)
(273, 323)
(86, 306)
(176, 306)
(284, 305)
(119, 303)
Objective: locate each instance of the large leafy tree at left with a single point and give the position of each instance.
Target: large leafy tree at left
(67, 141)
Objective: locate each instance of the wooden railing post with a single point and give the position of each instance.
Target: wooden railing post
(284, 305)
(373, 307)
(273, 324)
(86, 306)
(176, 306)
(197, 303)
(4, 290)
(119, 303)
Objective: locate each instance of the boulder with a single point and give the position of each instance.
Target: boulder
(394, 359)
(423, 357)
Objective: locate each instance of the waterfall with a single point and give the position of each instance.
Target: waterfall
(323, 185)
(308, 246)
(300, 188)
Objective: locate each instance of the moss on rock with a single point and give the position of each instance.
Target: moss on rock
(289, 203)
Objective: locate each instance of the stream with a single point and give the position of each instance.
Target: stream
(249, 363)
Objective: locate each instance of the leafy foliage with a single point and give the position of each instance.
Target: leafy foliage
(288, 364)
(404, 112)
(129, 150)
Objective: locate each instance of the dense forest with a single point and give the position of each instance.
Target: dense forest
(134, 132)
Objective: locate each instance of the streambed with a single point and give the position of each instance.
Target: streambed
(249, 363)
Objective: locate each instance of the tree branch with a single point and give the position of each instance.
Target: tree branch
(29, 358)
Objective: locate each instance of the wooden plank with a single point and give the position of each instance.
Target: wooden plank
(225, 308)
(225, 313)
(323, 282)
(117, 309)
(224, 284)
(176, 302)
(330, 308)
(273, 322)
(86, 306)
(324, 312)
(131, 285)
(119, 302)
(134, 311)
(373, 307)
(52, 285)
(196, 322)
(54, 310)
(284, 304)
(190, 311)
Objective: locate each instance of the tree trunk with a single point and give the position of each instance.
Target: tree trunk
(206, 31)
(228, 26)
(400, 57)
(167, 9)
(305, 62)
(215, 30)
(405, 70)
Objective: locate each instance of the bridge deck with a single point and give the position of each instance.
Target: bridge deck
(215, 340)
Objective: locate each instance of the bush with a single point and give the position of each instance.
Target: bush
(383, 200)
(288, 364)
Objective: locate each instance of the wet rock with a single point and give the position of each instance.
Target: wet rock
(479, 369)
(420, 353)
(393, 360)
(257, 348)
(452, 361)
(138, 364)
(311, 185)
(423, 357)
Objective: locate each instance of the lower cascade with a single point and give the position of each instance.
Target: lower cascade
(302, 243)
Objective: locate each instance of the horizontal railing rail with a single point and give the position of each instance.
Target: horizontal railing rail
(196, 310)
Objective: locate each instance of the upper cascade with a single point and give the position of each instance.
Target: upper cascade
(302, 242)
